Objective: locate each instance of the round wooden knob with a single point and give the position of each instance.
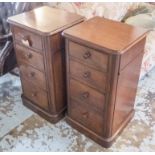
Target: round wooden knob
(87, 74)
(85, 114)
(32, 74)
(29, 55)
(87, 55)
(34, 94)
(85, 95)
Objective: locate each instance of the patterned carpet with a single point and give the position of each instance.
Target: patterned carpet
(12, 112)
(23, 130)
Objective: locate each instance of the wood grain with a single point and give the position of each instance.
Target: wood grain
(86, 95)
(89, 76)
(46, 20)
(114, 37)
(87, 117)
(33, 75)
(27, 56)
(35, 94)
(28, 39)
(89, 56)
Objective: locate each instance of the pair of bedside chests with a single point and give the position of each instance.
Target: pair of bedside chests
(91, 68)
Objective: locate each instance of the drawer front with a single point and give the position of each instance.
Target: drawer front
(87, 95)
(35, 94)
(91, 57)
(27, 38)
(25, 55)
(86, 116)
(33, 75)
(93, 78)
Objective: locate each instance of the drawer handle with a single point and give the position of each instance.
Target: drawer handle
(85, 95)
(32, 74)
(29, 55)
(87, 74)
(34, 94)
(25, 41)
(87, 55)
(85, 114)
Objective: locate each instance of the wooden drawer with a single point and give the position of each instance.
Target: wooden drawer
(27, 38)
(86, 116)
(93, 78)
(89, 56)
(25, 55)
(87, 95)
(35, 94)
(33, 75)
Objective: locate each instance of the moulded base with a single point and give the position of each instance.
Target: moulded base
(105, 142)
(53, 118)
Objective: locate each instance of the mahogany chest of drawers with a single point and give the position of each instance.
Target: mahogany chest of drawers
(40, 54)
(103, 65)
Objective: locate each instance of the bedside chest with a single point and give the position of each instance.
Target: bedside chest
(103, 66)
(40, 54)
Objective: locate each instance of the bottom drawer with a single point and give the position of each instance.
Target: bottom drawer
(35, 94)
(86, 116)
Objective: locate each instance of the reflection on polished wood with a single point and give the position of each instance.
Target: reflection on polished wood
(46, 20)
(114, 37)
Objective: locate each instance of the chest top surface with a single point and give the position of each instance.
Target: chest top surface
(45, 20)
(108, 34)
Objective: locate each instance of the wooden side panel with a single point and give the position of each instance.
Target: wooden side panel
(112, 79)
(128, 56)
(55, 72)
(126, 92)
(59, 80)
(59, 71)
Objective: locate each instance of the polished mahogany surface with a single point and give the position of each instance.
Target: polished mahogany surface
(112, 36)
(46, 20)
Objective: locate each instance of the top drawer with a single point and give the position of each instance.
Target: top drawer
(90, 56)
(27, 38)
